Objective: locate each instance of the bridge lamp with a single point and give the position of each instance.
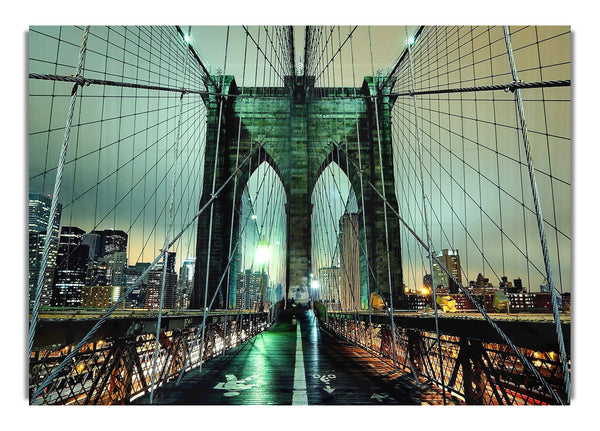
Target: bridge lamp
(187, 38)
(262, 252)
(411, 40)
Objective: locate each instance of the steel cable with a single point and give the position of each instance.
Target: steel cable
(55, 195)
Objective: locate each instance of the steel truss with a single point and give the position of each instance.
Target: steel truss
(475, 372)
(115, 371)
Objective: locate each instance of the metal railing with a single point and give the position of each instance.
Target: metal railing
(119, 369)
(475, 371)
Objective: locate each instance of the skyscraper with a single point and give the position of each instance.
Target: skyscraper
(329, 284)
(155, 279)
(111, 241)
(94, 242)
(108, 256)
(116, 264)
(451, 260)
(137, 297)
(349, 262)
(185, 283)
(248, 289)
(71, 268)
(39, 214)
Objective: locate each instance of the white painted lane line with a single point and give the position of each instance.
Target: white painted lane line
(299, 397)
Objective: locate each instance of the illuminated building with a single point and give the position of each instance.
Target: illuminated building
(451, 260)
(94, 242)
(111, 241)
(185, 283)
(349, 262)
(329, 281)
(154, 285)
(39, 213)
(97, 274)
(248, 289)
(116, 264)
(100, 296)
(137, 297)
(71, 268)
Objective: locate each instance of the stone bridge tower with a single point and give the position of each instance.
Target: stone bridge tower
(302, 130)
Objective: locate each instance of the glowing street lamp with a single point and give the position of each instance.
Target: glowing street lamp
(314, 284)
(262, 252)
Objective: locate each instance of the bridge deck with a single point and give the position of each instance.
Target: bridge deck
(295, 363)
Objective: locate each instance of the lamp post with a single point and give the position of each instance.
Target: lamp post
(262, 257)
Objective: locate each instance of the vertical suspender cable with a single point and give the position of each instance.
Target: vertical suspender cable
(158, 323)
(212, 207)
(538, 212)
(235, 183)
(387, 241)
(549, 165)
(362, 192)
(55, 195)
(169, 227)
(352, 281)
(426, 221)
(50, 115)
(85, 339)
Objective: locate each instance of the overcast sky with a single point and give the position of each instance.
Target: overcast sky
(482, 247)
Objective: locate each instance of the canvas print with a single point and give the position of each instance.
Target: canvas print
(299, 215)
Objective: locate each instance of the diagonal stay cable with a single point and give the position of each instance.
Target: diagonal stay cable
(481, 310)
(55, 195)
(109, 312)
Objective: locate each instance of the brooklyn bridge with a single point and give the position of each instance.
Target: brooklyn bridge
(299, 215)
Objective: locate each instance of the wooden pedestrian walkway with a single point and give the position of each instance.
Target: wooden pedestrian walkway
(295, 363)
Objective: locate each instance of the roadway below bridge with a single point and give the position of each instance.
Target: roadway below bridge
(295, 362)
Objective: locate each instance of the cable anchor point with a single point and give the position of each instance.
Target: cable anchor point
(513, 86)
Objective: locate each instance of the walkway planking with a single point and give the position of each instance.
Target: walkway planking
(295, 362)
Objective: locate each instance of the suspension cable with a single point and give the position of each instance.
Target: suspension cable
(481, 310)
(540, 220)
(235, 184)
(165, 249)
(426, 221)
(55, 194)
(387, 241)
(139, 280)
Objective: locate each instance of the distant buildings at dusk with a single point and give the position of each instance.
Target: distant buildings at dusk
(91, 269)
(450, 259)
(39, 214)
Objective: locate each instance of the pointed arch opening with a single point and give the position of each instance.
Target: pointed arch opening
(261, 274)
(335, 241)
